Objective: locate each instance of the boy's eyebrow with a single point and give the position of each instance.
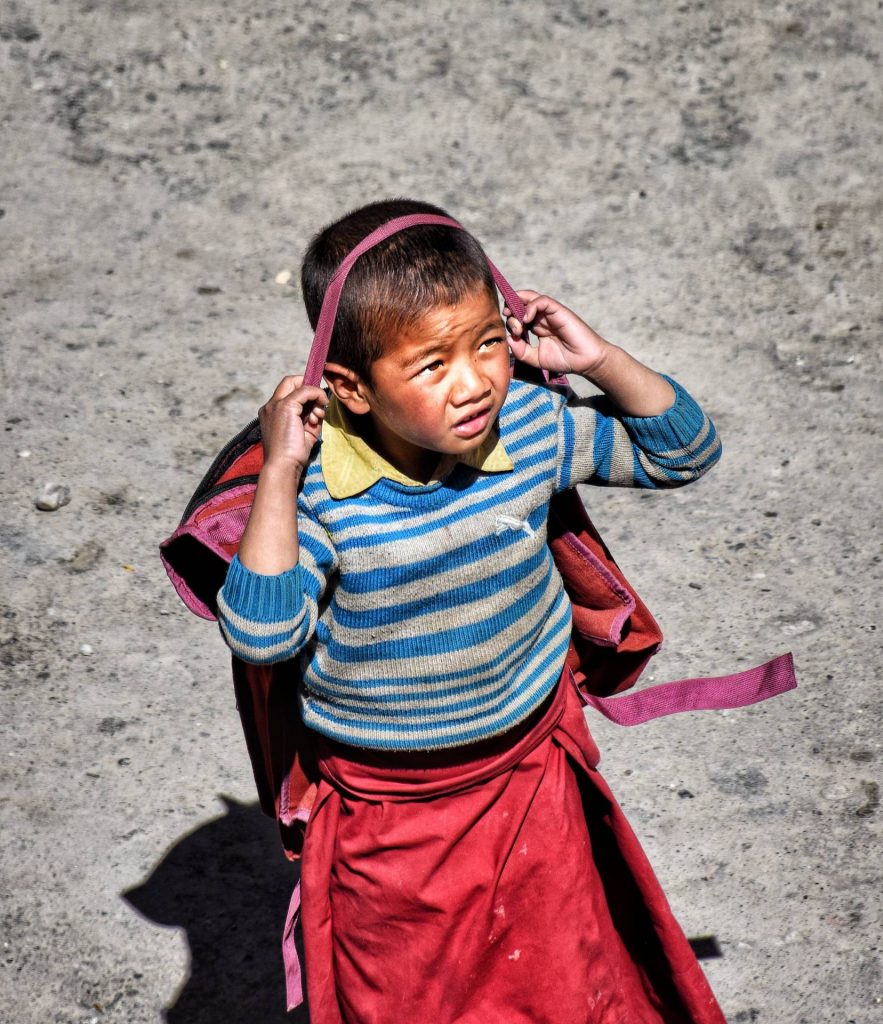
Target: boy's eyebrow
(431, 347)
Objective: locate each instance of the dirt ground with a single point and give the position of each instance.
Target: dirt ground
(700, 180)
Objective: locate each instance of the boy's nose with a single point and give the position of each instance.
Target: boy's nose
(469, 386)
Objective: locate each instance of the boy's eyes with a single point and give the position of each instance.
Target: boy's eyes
(436, 363)
(429, 366)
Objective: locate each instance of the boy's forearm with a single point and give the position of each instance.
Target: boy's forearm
(633, 387)
(269, 544)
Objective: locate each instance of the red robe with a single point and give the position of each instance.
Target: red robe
(499, 882)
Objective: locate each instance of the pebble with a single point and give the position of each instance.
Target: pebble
(24, 454)
(283, 277)
(87, 649)
(21, 29)
(52, 497)
(88, 155)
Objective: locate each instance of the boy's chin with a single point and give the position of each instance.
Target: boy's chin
(463, 445)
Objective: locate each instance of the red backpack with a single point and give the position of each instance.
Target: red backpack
(613, 636)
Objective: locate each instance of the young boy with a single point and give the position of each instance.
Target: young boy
(463, 861)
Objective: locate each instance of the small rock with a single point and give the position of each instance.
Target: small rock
(24, 454)
(797, 626)
(872, 800)
(743, 780)
(84, 558)
(52, 497)
(283, 277)
(87, 649)
(88, 155)
(21, 29)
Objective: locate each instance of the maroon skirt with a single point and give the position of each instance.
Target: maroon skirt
(499, 882)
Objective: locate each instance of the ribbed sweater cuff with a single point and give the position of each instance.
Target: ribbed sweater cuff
(261, 598)
(677, 427)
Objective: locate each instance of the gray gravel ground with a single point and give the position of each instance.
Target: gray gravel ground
(701, 181)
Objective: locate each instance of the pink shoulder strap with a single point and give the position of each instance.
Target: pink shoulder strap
(328, 313)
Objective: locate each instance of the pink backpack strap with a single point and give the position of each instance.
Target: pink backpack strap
(294, 986)
(328, 313)
(713, 693)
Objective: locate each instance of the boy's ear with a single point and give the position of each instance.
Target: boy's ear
(348, 388)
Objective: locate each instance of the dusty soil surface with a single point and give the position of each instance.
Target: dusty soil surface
(701, 181)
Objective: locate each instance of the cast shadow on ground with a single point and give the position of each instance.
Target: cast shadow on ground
(227, 884)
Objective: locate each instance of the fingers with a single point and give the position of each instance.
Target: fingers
(539, 305)
(291, 421)
(525, 295)
(544, 317)
(310, 396)
(513, 326)
(313, 416)
(291, 400)
(286, 386)
(292, 388)
(313, 428)
(524, 352)
(535, 305)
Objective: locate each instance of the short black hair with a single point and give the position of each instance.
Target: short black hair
(393, 284)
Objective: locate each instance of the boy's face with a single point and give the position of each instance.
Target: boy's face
(439, 385)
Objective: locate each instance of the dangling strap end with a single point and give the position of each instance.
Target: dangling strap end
(707, 694)
(294, 989)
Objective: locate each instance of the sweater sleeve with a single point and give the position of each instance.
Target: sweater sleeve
(265, 619)
(599, 445)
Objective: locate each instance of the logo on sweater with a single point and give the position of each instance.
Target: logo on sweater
(512, 523)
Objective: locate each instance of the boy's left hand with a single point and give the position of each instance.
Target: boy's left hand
(565, 343)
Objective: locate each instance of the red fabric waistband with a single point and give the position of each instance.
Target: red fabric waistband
(413, 776)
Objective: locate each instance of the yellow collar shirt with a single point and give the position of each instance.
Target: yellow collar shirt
(350, 465)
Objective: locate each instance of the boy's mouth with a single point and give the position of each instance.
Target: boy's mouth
(474, 423)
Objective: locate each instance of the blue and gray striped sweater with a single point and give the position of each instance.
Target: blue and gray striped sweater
(434, 616)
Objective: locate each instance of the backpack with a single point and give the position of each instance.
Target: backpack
(613, 635)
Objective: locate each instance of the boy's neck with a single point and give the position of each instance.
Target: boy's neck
(415, 463)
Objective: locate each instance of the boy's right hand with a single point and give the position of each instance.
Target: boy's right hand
(291, 423)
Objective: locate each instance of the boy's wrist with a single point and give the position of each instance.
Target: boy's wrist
(599, 372)
(633, 387)
(282, 472)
